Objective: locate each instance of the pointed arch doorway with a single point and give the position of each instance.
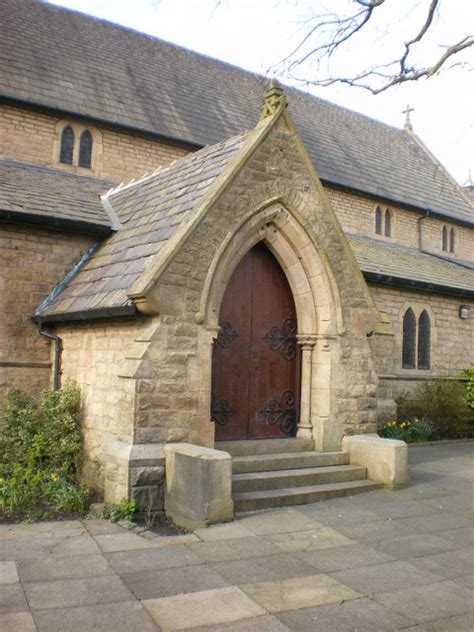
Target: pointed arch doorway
(256, 359)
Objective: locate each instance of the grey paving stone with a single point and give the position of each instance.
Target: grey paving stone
(267, 623)
(46, 545)
(173, 581)
(57, 529)
(67, 593)
(420, 491)
(299, 592)
(277, 521)
(8, 573)
(314, 540)
(358, 615)
(412, 546)
(467, 581)
(462, 537)
(384, 577)
(450, 564)
(440, 521)
(208, 607)
(430, 602)
(127, 541)
(238, 549)
(114, 617)
(371, 532)
(101, 527)
(343, 557)
(401, 509)
(336, 515)
(49, 569)
(275, 567)
(460, 623)
(227, 531)
(17, 622)
(152, 559)
(12, 598)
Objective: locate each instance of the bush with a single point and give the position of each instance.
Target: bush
(411, 431)
(40, 453)
(444, 403)
(125, 510)
(469, 375)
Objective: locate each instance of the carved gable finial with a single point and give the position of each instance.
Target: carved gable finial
(274, 99)
(407, 112)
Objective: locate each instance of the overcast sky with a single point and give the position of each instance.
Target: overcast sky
(256, 34)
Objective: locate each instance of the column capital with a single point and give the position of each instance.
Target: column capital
(306, 340)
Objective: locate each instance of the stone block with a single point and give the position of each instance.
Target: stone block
(386, 460)
(140, 476)
(198, 485)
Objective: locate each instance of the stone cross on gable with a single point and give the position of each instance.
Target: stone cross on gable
(274, 98)
(408, 125)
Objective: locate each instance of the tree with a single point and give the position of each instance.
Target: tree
(328, 36)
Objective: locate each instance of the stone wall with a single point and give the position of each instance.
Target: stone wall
(356, 214)
(118, 155)
(452, 338)
(33, 259)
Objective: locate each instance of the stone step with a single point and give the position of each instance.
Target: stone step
(252, 501)
(303, 477)
(264, 446)
(270, 462)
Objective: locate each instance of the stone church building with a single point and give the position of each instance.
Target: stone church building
(213, 258)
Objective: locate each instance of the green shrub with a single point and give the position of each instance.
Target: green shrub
(444, 403)
(469, 386)
(411, 431)
(40, 452)
(113, 512)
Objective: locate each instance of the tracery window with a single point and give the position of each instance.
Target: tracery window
(85, 149)
(67, 146)
(383, 222)
(416, 345)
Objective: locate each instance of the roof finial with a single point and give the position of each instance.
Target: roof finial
(274, 99)
(407, 125)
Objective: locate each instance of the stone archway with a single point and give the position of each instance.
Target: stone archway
(317, 302)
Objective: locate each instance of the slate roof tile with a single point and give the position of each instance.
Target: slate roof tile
(402, 262)
(149, 211)
(42, 192)
(62, 59)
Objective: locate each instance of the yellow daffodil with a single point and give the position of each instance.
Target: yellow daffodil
(54, 476)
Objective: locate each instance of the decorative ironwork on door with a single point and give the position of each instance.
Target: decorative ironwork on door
(281, 411)
(283, 338)
(221, 411)
(226, 335)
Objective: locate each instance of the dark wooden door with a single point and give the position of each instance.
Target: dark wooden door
(256, 361)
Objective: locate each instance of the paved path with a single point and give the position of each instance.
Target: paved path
(378, 561)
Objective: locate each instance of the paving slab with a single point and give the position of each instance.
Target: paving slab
(467, 581)
(76, 592)
(335, 514)
(463, 536)
(207, 607)
(449, 564)
(113, 617)
(358, 615)
(460, 623)
(437, 522)
(340, 558)
(62, 528)
(277, 521)
(267, 623)
(227, 531)
(371, 532)
(50, 569)
(412, 546)
(45, 545)
(275, 567)
(17, 622)
(299, 592)
(237, 549)
(8, 573)
(384, 577)
(12, 598)
(102, 527)
(125, 541)
(429, 602)
(152, 559)
(313, 540)
(173, 581)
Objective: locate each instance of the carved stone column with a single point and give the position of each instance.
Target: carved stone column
(305, 427)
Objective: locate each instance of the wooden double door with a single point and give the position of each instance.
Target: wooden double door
(256, 359)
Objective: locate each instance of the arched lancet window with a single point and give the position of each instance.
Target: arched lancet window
(445, 238)
(85, 149)
(67, 146)
(424, 327)
(388, 223)
(452, 240)
(409, 339)
(378, 220)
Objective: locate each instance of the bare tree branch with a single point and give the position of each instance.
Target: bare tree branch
(328, 33)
